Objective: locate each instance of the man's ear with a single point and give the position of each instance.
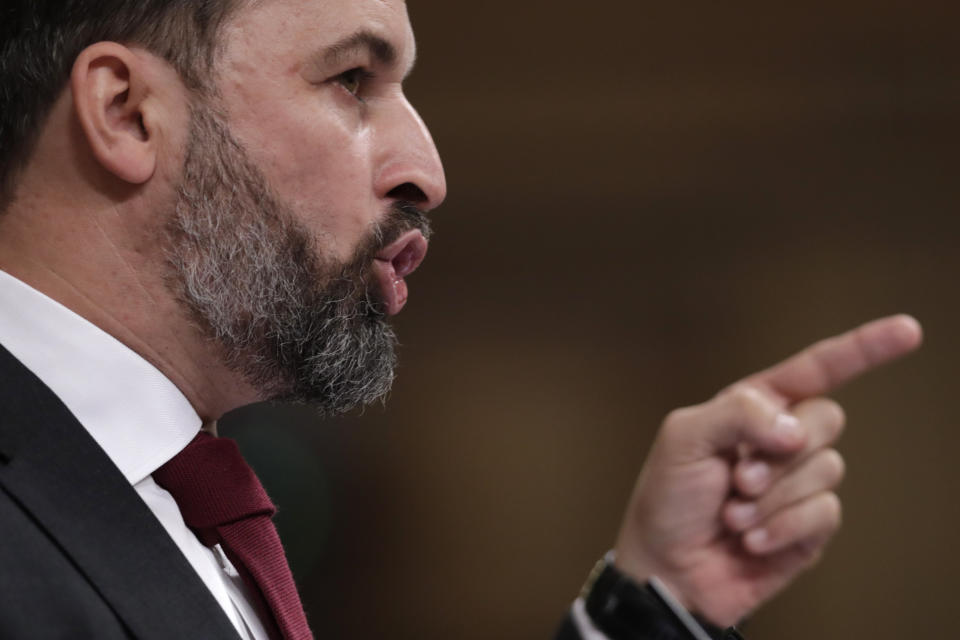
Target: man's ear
(111, 91)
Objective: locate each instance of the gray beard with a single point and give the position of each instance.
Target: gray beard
(295, 326)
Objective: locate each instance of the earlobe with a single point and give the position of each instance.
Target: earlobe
(110, 93)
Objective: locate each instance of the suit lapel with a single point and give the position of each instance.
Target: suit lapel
(58, 473)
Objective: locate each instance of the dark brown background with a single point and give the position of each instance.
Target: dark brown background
(648, 200)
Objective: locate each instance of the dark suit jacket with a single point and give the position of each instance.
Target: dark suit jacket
(81, 555)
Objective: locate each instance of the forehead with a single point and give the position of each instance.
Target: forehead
(288, 27)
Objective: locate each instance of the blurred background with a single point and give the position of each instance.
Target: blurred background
(647, 202)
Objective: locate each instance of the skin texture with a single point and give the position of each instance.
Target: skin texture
(299, 326)
(339, 151)
(98, 192)
(763, 447)
(314, 141)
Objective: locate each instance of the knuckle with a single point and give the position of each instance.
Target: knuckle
(677, 425)
(814, 557)
(677, 419)
(745, 398)
(839, 414)
(825, 416)
(811, 551)
(835, 467)
(835, 417)
(832, 509)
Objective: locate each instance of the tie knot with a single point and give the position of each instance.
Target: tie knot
(213, 485)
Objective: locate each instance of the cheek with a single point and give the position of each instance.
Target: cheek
(325, 174)
(320, 165)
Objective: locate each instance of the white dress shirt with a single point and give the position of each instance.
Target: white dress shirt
(137, 416)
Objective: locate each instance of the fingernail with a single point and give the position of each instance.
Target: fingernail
(787, 427)
(743, 514)
(756, 475)
(756, 540)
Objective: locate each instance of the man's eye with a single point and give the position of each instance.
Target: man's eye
(353, 80)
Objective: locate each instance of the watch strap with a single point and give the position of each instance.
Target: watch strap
(625, 610)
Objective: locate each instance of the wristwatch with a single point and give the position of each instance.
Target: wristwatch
(625, 610)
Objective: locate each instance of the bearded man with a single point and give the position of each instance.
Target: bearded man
(209, 204)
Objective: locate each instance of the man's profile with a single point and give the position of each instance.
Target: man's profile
(206, 205)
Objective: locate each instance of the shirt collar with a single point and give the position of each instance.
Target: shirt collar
(137, 416)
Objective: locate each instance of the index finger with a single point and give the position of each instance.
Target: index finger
(827, 364)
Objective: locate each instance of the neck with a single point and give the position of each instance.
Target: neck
(88, 262)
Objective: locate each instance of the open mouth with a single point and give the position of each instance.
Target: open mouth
(394, 263)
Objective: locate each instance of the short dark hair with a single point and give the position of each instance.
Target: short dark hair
(41, 39)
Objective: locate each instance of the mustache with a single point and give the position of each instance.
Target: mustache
(402, 217)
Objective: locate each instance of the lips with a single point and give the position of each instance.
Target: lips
(394, 263)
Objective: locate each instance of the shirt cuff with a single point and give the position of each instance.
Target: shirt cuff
(583, 623)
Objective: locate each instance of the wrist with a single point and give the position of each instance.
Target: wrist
(640, 568)
(624, 609)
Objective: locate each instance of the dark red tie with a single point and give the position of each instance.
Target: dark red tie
(223, 503)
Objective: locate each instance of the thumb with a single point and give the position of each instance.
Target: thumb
(742, 416)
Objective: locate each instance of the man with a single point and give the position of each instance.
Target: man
(208, 204)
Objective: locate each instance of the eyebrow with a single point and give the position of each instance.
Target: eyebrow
(381, 49)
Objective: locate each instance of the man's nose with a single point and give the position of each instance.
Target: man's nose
(410, 168)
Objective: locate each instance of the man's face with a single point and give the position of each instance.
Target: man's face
(313, 90)
(299, 207)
